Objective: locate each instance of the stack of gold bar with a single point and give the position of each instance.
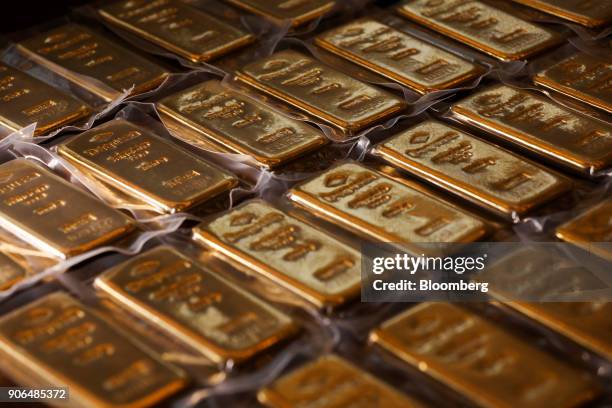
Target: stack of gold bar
(414, 124)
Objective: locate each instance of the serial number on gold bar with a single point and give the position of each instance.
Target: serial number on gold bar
(146, 166)
(25, 100)
(297, 12)
(398, 56)
(58, 339)
(330, 382)
(585, 77)
(535, 122)
(321, 91)
(196, 306)
(590, 13)
(49, 213)
(481, 26)
(177, 27)
(78, 53)
(288, 251)
(211, 113)
(472, 168)
(11, 271)
(384, 208)
(480, 361)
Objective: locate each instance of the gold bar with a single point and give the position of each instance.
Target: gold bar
(11, 271)
(385, 209)
(591, 230)
(213, 114)
(321, 91)
(398, 56)
(589, 13)
(331, 382)
(50, 214)
(476, 170)
(298, 12)
(481, 26)
(79, 54)
(575, 140)
(196, 306)
(480, 361)
(25, 100)
(56, 341)
(177, 27)
(286, 250)
(144, 165)
(582, 76)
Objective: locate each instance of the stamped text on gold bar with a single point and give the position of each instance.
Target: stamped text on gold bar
(11, 271)
(297, 12)
(590, 13)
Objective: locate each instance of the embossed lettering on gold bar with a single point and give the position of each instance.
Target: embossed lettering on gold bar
(585, 77)
(77, 53)
(472, 168)
(480, 361)
(11, 271)
(591, 230)
(25, 100)
(47, 212)
(535, 122)
(590, 13)
(177, 27)
(146, 166)
(385, 209)
(67, 345)
(211, 112)
(330, 382)
(194, 305)
(398, 56)
(481, 26)
(319, 90)
(290, 252)
(297, 12)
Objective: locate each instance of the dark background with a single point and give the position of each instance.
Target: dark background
(17, 15)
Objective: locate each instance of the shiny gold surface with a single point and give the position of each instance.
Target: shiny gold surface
(383, 208)
(24, 100)
(481, 26)
(177, 27)
(535, 122)
(480, 361)
(47, 212)
(64, 344)
(213, 113)
(194, 305)
(581, 76)
(11, 271)
(79, 54)
(331, 382)
(297, 12)
(398, 56)
(292, 253)
(319, 90)
(146, 166)
(472, 168)
(590, 13)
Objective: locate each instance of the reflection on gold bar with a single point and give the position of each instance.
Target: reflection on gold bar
(49, 213)
(590, 13)
(79, 54)
(58, 342)
(195, 306)
(321, 91)
(179, 28)
(11, 271)
(585, 77)
(144, 165)
(384, 208)
(330, 382)
(290, 252)
(211, 113)
(398, 56)
(471, 168)
(25, 100)
(535, 122)
(481, 26)
(480, 361)
(297, 12)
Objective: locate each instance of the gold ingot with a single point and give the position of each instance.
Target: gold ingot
(297, 12)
